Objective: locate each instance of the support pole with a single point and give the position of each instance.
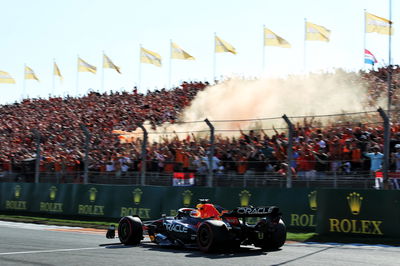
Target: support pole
(214, 58)
(263, 52)
(289, 151)
(102, 75)
(77, 78)
(140, 68)
(36, 135)
(86, 159)
(304, 47)
(170, 65)
(143, 156)
(386, 148)
(210, 154)
(365, 38)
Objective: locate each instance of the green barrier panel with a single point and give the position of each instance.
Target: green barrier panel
(108, 201)
(17, 196)
(133, 200)
(51, 198)
(92, 200)
(359, 212)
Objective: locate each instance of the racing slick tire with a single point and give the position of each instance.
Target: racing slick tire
(212, 236)
(273, 239)
(130, 231)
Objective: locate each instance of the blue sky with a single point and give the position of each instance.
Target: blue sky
(36, 32)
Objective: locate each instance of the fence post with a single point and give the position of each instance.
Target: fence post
(86, 159)
(210, 154)
(289, 151)
(386, 147)
(143, 156)
(37, 137)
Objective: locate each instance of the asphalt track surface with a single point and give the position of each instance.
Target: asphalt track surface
(30, 244)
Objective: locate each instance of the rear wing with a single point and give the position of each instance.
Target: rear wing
(263, 211)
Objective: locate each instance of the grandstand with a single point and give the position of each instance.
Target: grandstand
(327, 152)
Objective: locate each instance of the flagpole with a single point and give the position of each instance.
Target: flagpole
(365, 38)
(304, 46)
(54, 87)
(263, 51)
(214, 57)
(390, 59)
(24, 85)
(77, 77)
(170, 64)
(140, 66)
(102, 76)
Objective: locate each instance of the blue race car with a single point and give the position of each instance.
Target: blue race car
(208, 227)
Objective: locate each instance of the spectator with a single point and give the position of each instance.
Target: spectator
(376, 164)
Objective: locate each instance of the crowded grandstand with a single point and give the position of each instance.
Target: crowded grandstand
(331, 147)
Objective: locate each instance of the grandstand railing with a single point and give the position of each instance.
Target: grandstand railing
(230, 179)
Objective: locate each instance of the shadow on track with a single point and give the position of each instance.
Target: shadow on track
(243, 251)
(301, 257)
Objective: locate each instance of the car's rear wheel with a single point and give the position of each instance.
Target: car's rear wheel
(130, 231)
(212, 237)
(272, 238)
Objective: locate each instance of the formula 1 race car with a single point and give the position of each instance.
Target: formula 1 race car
(208, 227)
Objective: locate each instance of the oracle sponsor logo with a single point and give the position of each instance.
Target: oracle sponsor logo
(248, 210)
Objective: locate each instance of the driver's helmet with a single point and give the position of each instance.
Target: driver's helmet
(207, 210)
(195, 213)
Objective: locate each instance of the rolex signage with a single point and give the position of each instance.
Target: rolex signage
(90, 204)
(187, 198)
(244, 196)
(136, 201)
(300, 212)
(50, 204)
(16, 202)
(137, 196)
(312, 200)
(358, 212)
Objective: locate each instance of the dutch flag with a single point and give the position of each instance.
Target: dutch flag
(369, 58)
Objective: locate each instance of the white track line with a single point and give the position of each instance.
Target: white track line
(47, 251)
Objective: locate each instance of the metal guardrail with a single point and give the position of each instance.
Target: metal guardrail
(326, 180)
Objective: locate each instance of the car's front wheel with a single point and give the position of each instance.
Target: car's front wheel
(130, 231)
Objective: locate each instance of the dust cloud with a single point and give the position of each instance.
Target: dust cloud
(256, 100)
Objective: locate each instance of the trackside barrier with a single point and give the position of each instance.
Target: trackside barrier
(340, 211)
(364, 213)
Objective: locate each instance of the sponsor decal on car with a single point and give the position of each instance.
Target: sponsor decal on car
(248, 210)
(179, 228)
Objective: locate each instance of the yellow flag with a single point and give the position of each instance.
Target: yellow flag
(271, 39)
(178, 53)
(377, 24)
(107, 63)
(222, 46)
(85, 67)
(317, 33)
(6, 78)
(149, 57)
(29, 74)
(57, 71)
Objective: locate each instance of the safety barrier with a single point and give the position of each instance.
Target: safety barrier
(114, 201)
(326, 211)
(358, 212)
